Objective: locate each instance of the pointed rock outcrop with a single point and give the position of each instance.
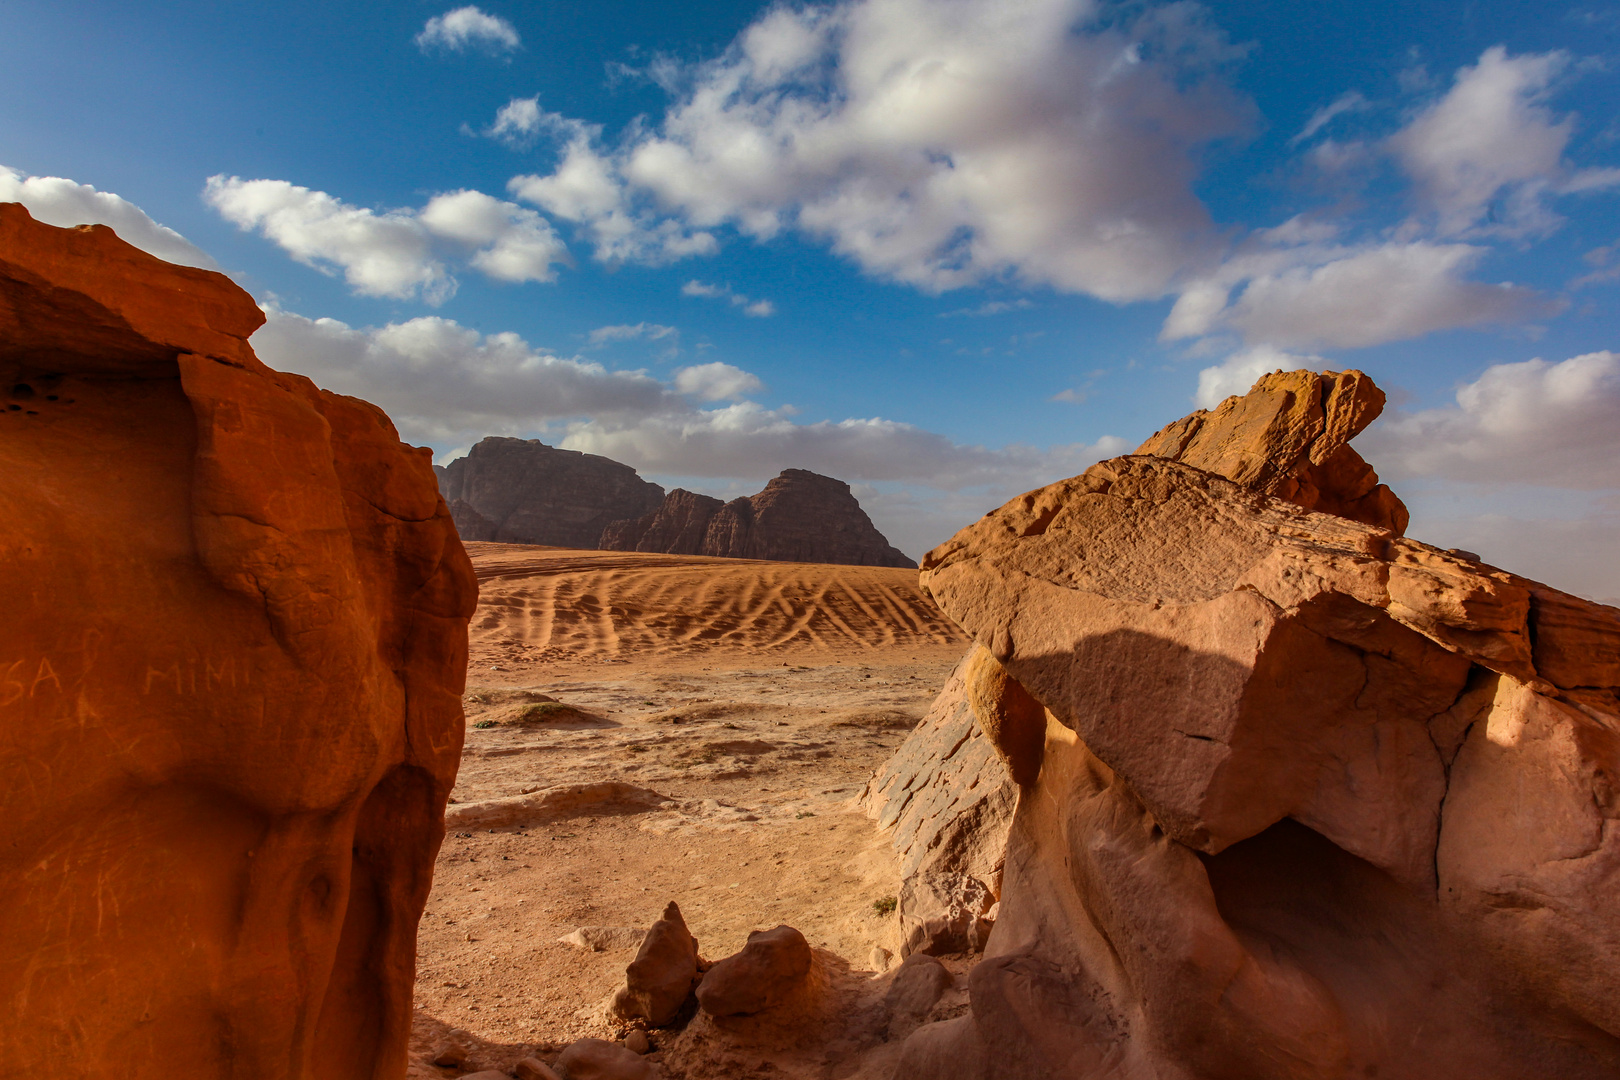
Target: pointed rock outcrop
(1313, 799)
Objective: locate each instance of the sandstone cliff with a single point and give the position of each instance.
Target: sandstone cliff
(1302, 798)
(233, 651)
(801, 516)
(522, 491)
(678, 527)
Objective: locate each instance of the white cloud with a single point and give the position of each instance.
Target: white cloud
(586, 189)
(717, 382)
(518, 122)
(1238, 372)
(748, 440)
(704, 289)
(63, 203)
(627, 332)
(444, 383)
(1535, 422)
(1347, 102)
(941, 143)
(1486, 156)
(759, 309)
(395, 253)
(1384, 293)
(468, 27)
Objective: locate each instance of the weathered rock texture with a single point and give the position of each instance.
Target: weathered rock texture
(766, 973)
(660, 978)
(1289, 437)
(801, 516)
(1313, 800)
(678, 527)
(230, 671)
(524, 492)
(946, 794)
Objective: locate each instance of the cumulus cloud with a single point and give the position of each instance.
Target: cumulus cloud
(64, 203)
(717, 382)
(1486, 156)
(1298, 288)
(518, 122)
(394, 253)
(442, 381)
(1535, 422)
(1385, 293)
(940, 143)
(759, 309)
(586, 190)
(468, 28)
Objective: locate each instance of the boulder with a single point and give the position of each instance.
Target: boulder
(231, 664)
(766, 973)
(801, 516)
(918, 985)
(598, 1059)
(534, 1069)
(659, 980)
(521, 491)
(1314, 800)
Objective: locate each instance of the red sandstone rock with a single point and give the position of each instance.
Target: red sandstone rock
(1288, 437)
(522, 491)
(1313, 801)
(598, 1059)
(801, 516)
(660, 978)
(677, 527)
(767, 972)
(948, 800)
(233, 652)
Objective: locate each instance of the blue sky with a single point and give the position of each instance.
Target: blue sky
(944, 250)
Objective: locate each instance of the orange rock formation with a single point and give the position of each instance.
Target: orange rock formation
(1313, 800)
(230, 677)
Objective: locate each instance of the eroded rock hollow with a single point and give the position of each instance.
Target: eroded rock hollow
(1311, 799)
(230, 671)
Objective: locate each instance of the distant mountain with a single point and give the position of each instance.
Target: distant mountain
(522, 491)
(801, 516)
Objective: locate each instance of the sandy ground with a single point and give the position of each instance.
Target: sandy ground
(755, 698)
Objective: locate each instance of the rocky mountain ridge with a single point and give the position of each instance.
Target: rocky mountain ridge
(522, 491)
(800, 516)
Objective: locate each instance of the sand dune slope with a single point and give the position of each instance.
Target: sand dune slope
(545, 604)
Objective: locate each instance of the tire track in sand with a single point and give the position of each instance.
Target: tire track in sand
(617, 605)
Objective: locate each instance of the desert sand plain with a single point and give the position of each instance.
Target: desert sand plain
(755, 698)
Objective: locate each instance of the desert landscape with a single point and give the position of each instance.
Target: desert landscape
(742, 706)
(1192, 764)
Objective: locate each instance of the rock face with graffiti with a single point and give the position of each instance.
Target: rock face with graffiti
(231, 661)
